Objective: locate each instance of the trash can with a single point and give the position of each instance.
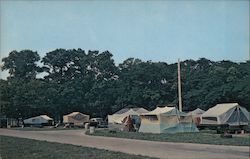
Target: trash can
(91, 129)
(86, 126)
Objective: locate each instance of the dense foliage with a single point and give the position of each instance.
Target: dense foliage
(90, 82)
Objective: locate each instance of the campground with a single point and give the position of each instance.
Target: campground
(154, 149)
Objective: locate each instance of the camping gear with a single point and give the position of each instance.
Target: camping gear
(196, 115)
(231, 114)
(226, 135)
(166, 120)
(128, 124)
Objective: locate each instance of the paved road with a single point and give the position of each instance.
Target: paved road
(147, 148)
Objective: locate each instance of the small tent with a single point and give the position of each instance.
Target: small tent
(166, 120)
(119, 116)
(76, 118)
(39, 120)
(196, 115)
(226, 114)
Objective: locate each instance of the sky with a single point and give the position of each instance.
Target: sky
(149, 30)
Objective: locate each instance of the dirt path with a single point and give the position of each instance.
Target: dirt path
(147, 148)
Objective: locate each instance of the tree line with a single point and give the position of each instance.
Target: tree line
(91, 82)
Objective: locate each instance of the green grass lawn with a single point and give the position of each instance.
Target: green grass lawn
(20, 148)
(206, 137)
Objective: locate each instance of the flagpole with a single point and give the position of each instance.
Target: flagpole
(179, 85)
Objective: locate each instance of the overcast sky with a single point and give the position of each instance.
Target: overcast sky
(149, 30)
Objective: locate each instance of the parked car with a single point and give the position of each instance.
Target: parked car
(98, 122)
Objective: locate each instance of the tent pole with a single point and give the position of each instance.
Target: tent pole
(178, 116)
(179, 85)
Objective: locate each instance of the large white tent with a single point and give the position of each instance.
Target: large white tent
(166, 120)
(76, 118)
(39, 120)
(119, 116)
(226, 114)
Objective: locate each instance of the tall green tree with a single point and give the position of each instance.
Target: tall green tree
(22, 64)
(90, 82)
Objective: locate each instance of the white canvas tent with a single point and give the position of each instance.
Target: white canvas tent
(226, 114)
(119, 116)
(76, 118)
(166, 120)
(39, 120)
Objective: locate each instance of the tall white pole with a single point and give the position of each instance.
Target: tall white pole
(179, 85)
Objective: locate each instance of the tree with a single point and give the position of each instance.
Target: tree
(145, 84)
(4, 98)
(22, 64)
(60, 64)
(92, 83)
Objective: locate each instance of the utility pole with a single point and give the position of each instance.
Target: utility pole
(179, 85)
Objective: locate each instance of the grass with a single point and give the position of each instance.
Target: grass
(13, 148)
(206, 137)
